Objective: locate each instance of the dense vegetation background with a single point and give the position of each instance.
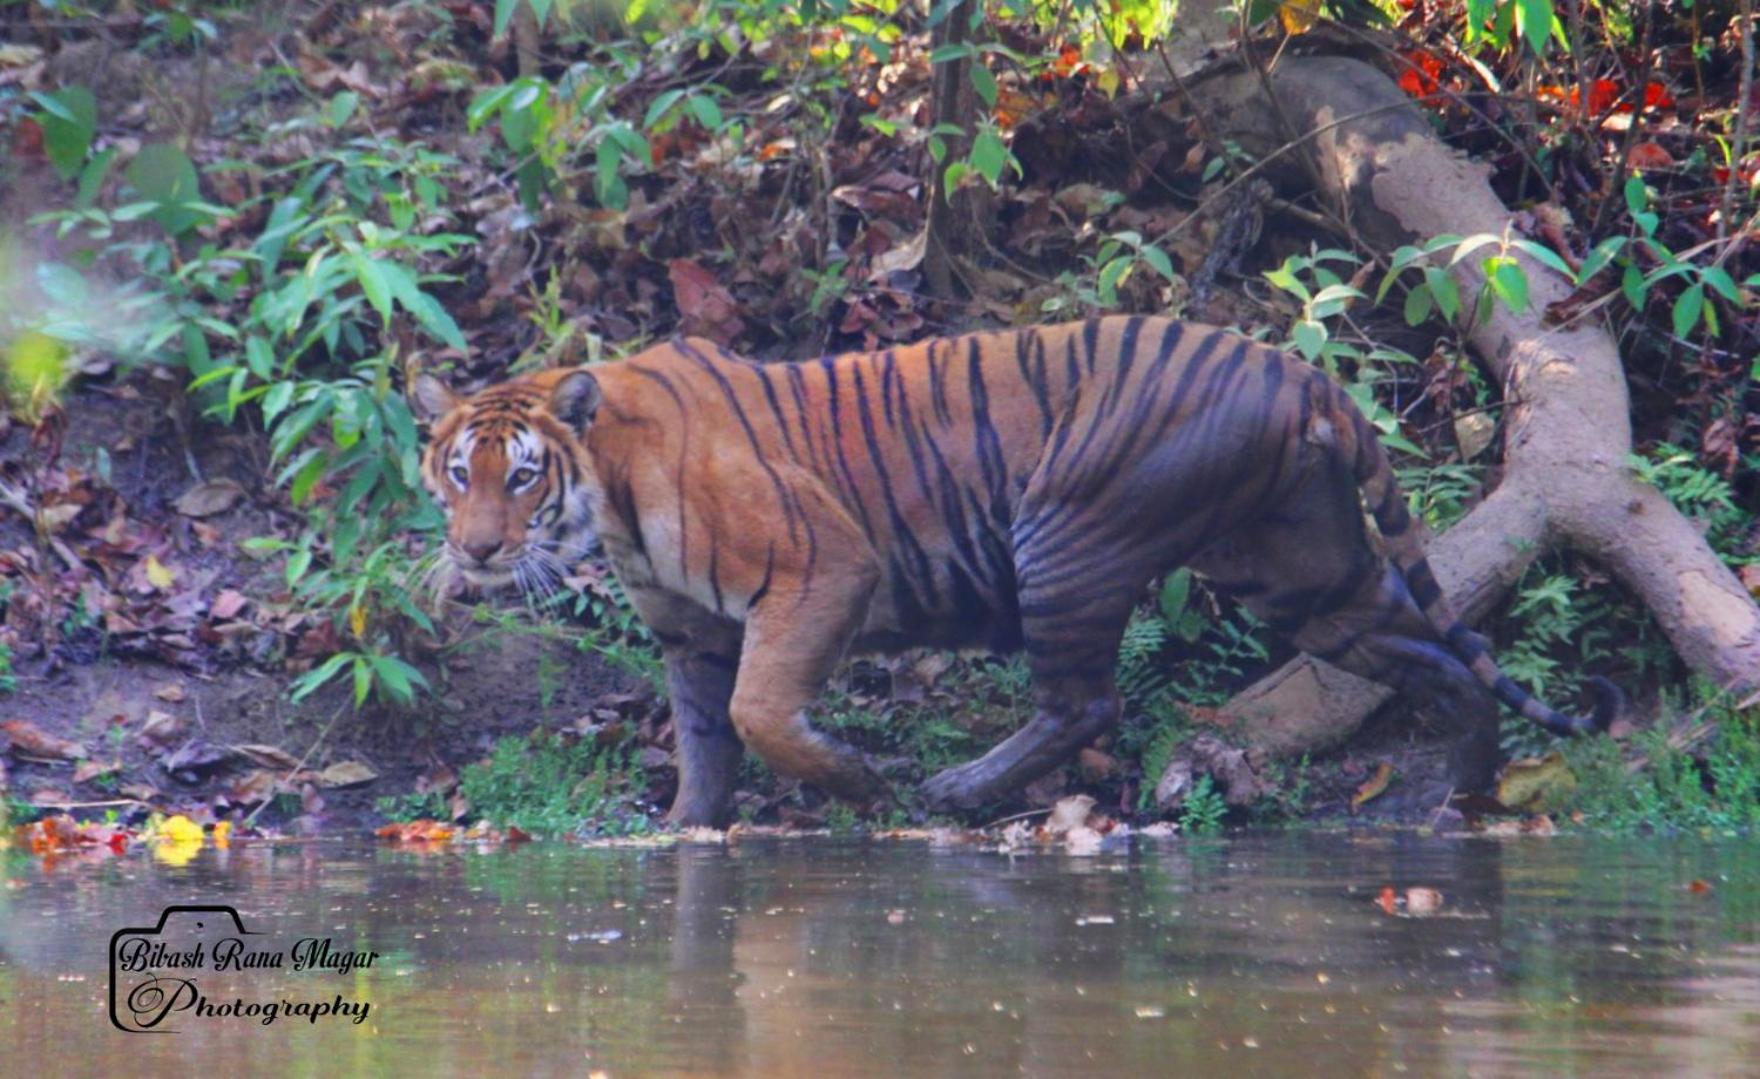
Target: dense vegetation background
(229, 232)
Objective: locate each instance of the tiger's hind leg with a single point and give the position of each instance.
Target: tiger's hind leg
(1308, 569)
(1071, 632)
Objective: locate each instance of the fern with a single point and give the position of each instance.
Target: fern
(1139, 673)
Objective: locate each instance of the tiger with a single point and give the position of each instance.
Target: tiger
(1006, 491)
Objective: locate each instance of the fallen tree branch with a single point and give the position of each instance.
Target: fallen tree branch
(1568, 431)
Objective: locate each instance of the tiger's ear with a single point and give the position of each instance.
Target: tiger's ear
(575, 399)
(431, 397)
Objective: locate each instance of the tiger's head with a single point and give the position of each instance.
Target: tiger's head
(510, 468)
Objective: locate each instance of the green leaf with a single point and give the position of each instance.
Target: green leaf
(1688, 308)
(1444, 292)
(363, 680)
(486, 105)
(276, 400)
(1508, 281)
(297, 564)
(1636, 289)
(1599, 256)
(92, 177)
(1637, 196)
(1534, 23)
(342, 107)
(314, 680)
(260, 358)
(1158, 261)
(1175, 593)
(951, 178)
(426, 310)
(1110, 276)
(1544, 255)
(1418, 305)
(69, 121)
(1470, 245)
(1309, 338)
(608, 185)
(659, 106)
(989, 155)
(985, 84)
(398, 677)
(503, 15)
(1720, 280)
(164, 174)
(374, 284)
(706, 111)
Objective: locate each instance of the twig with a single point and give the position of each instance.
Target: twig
(1017, 816)
(295, 770)
(1250, 171)
(1743, 98)
(1611, 195)
(96, 805)
(15, 499)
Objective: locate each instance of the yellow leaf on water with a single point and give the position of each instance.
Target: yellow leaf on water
(158, 574)
(176, 854)
(179, 829)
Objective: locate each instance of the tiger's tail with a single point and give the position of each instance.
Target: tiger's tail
(1404, 538)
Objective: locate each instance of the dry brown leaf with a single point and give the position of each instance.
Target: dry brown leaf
(1069, 814)
(170, 693)
(227, 604)
(704, 306)
(86, 771)
(30, 740)
(268, 756)
(162, 728)
(208, 499)
(346, 774)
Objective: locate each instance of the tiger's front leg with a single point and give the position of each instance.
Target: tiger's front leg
(699, 684)
(701, 652)
(793, 641)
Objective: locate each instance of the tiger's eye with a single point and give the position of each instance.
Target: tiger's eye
(459, 475)
(521, 477)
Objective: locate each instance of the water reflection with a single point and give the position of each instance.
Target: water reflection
(847, 958)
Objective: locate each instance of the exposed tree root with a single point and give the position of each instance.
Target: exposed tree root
(1567, 432)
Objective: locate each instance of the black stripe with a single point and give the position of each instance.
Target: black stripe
(775, 407)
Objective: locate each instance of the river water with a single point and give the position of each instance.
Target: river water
(1265, 954)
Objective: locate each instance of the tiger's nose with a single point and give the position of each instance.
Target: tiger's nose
(482, 550)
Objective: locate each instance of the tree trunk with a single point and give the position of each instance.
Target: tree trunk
(1568, 429)
(951, 230)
